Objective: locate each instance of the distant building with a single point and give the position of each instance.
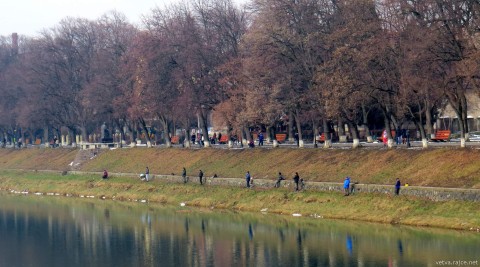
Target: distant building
(448, 120)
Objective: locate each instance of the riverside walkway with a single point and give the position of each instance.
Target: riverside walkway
(431, 193)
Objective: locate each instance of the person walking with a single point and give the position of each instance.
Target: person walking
(184, 175)
(260, 139)
(200, 177)
(279, 179)
(346, 186)
(397, 187)
(247, 178)
(296, 179)
(147, 174)
(398, 136)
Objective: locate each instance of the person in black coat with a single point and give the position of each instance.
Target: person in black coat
(200, 177)
(397, 187)
(296, 179)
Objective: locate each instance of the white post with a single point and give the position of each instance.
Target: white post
(356, 143)
(327, 143)
(390, 143)
(275, 143)
(206, 143)
(462, 143)
(424, 142)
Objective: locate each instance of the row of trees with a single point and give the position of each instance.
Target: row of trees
(317, 61)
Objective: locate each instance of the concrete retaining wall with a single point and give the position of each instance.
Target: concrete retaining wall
(432, 193)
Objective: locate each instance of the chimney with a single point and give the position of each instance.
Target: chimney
(15, 43)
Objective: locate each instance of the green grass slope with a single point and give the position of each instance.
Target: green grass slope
(445, 167)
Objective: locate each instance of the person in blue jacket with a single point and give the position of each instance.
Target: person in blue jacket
(247, 177)
(397, 187)
(346, 186)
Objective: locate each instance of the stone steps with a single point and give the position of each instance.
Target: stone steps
(84, 156)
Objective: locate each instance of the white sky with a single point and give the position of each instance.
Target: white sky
(29, 17)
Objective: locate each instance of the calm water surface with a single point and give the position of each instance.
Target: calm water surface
(59, 231)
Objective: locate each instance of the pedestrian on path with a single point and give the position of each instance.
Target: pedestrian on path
(247, 178)
(279, 179)
(397, 187)
(200, 177)
(346, 186)
(147, 174)
(296, 179)
(184, 175)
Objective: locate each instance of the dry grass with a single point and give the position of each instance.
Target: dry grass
(366, 207)
(431, 167)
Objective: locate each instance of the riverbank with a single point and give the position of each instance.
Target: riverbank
(439, 167)
(370, 207)
(454, 168)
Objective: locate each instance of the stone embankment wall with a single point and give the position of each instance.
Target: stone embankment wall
(432, 193)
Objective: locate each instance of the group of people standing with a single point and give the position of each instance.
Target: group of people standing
(261, 138)
(349, 187)
(299, 183)
(402, 136)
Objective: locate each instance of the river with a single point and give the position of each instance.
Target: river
(60, 231)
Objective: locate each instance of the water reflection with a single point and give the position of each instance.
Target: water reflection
(48, 231)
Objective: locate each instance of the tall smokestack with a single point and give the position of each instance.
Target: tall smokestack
(15, 43)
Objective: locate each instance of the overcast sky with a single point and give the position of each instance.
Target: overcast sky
(29, 17)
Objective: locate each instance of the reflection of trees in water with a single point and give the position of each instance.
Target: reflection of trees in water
(107, 233)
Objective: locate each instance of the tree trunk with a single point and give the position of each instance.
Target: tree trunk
(458, 103)
(327, 134)
(244, 136)
(188, 133)
(462, 132)
(419, 124)
(315, 133)
(466, 129)
(299, 129)
(143, 124)
(268, 138)
(166, 129)
(273, 135)
(354, 132)
(121, 128)
(341, 130)
(83, 132)
(423, 135)
(174, 128)
(428, 121)
(365, 124)
(389, 132)
(204, 127)
(71, 137)
(290, 128)
(46, 140)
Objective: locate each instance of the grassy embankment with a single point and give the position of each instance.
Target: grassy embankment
(438, 167)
